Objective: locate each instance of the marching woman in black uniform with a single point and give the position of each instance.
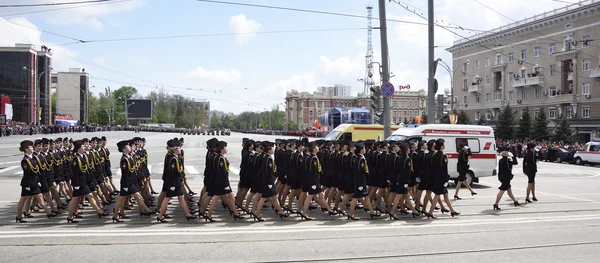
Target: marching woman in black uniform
(462, 168)
(311, 185)
(296, 172)
(129, 183)
(45, 173)
(361, 193)
(80, 186)
(174, 183)
(30, 184)
(221, 185)
(530, 161)
(404, 168)
(440, 178)
(245, 182)
(418, 159)
(206, 192)
(505, 175)
(257, 163)
(349, 170)
(267, 181)
(392, 170)
(107, 170)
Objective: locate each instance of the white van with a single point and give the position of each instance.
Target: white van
(479, 138)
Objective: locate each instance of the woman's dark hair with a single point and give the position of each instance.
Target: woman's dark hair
(311, 147)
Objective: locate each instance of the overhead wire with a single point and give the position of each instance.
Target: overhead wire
(56, 4)
(483, 46)
(62, 8)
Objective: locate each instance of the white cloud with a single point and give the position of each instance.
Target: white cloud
(214, 76)
(245, 28)
(12, 34)
(84, 14)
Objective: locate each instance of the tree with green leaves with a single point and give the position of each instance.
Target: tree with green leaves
(563, 131)
(481, 120)
(424, 119)
(524, 129)
(405, 121)
(463, 118)
(540, 126)
(506, 120)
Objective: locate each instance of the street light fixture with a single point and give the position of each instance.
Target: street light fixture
(37, 87)
(451, 73)
(127, 113)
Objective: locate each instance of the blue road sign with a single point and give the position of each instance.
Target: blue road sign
(387, 90)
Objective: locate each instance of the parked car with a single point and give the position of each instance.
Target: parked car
(557, 155)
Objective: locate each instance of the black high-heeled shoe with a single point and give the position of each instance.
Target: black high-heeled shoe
(191, 217)
(393, 217)
(414, 215)
(528, 201)
(352, 218)
(473, 193)
(404, 212)
(208, 218)
(27, 215)
(444, 210)
(224, 206)
(377, 214)
(100, 215)
(282, 215)
(323, 210)
(123, 216)
(429, 215)
(259, 219)
(332, 213)
(534, 199)
(496, 207)
(457, 198)
(516, 203)
(71, 220)
(304, 217)
(454, 214)
(51, 215)
(236, 217)
(161, 220)
(20, 220)
(144, 214)
(116, 220)
(78, 215)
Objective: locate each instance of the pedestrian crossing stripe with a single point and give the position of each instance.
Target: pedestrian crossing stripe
(190, 170)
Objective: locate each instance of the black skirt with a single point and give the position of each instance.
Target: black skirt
(129, 190)
(402, 189)
(462, 175)
(44, 188)
(311, 189)
(504, 185)
(177, 191)
(268, 191)
(82, 191)
(221, 189)
(360, 192)
(440, 188)
(29, 191)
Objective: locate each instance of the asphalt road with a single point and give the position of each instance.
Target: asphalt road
(564, 226)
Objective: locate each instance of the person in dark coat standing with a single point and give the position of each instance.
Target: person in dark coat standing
(530, 161)
(267, 182)
(462, 167)
(439, 165)
(221, 186)
(311, 185)
(505, 175)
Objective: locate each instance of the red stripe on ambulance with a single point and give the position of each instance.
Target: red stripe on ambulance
(487, 146)
(439, 131)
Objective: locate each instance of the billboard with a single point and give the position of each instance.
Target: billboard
(138, 109)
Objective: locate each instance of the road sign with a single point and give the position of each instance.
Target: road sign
(387, 90)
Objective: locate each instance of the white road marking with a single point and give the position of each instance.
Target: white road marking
(351, 226)
(551, 194)
(191, 170)
(10, 168)
(10, 162)
(234, 170)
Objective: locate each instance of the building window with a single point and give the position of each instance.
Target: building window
(523, 73)
(511, 57)
(410, 104)
(585, 112)
(568, 43)
(395, 104)
(487, 97)
(465, 66)
(487, 62)
(477, 115)
(568, 113)
(552, 48)
(465, 84)
(585, 88)
(477, 98)
(488, 115)
(511, 76)
(552, 113)
(487, 80)
(510, 95)
(410, 113)
(538, 93)
(477, 64)
(523, 54)
(586, 41)
(523, 94)
(536, 113)
(537, 69)
(498, 59)
(465, 99)
(497, 95)
(537, 51)
(405, 113)
(552, 91)
(586, 65)
(553, 70)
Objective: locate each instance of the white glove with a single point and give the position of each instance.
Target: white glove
(510, 154)
(76, 187)
(466, 147)
(172, 188)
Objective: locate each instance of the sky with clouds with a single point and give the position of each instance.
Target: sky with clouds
(245, 58)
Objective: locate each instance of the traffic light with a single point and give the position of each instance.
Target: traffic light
(376, 104)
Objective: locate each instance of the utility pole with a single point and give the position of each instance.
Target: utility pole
(387, 129)
(430, 83)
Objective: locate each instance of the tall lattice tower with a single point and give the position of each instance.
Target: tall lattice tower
(369, 55)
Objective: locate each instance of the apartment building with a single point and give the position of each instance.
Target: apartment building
(550, 61)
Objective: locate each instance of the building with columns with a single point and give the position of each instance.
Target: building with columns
(303, 108)
(548, 62)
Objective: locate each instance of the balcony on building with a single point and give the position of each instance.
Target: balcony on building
(475, 88)
(529, 81)
(570, 76)
(595, 73)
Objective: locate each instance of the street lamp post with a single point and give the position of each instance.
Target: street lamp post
(451, 73)
(37, 87)
(127, 113)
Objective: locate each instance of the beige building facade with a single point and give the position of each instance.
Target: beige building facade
(548, 62)
(303, 108)
(72, 90)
